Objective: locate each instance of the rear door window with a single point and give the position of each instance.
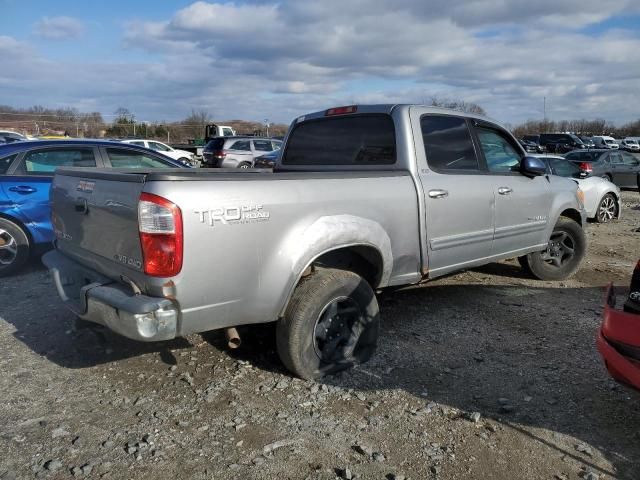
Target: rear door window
(124, 158)
(447, 143)
(242, 145)
(629, 159)
(343, 141)
(45, 161)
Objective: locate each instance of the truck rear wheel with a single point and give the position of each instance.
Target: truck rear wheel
(563, 254)
(14, 247)
(331, 323)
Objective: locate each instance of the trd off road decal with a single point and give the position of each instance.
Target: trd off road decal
(233, 215)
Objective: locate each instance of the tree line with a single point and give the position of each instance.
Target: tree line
(38, 120)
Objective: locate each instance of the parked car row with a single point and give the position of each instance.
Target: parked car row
(566, 142)
(237, 152)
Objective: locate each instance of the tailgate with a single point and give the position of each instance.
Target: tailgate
(95, 217)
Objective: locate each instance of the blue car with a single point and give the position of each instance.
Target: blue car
(26, 172)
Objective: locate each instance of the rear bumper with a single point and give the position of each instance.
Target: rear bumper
(619, 341)
(99, 299)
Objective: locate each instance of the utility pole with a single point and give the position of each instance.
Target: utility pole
(544, 109)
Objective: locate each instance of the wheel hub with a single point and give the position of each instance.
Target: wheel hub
(8, 248)
(335, 334)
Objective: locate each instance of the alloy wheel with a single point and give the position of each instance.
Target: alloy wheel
(607, 209)
(560, 250)
(8, 248)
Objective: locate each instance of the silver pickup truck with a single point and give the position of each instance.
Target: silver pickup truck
(362, 198)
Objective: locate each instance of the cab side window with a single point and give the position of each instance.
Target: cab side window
(447, 143)
(499, 152)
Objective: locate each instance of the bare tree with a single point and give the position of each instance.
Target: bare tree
(460, 105)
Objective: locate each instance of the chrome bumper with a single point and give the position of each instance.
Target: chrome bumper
(98, 299)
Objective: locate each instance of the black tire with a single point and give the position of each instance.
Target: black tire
(14, 247)
(606, 176)
(561, 259)
(607, 209)
(244, 165)
(309, 343)
(185, 160)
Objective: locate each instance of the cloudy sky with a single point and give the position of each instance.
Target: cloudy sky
(263, 59)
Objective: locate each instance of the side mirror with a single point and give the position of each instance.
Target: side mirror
(533, 167)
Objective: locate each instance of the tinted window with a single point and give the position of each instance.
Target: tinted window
(46, 161)
(564, 168)
(121, 158)
(584, 156)
(354, 140)
(215, 144)
(501, 155)
(227, 132)
(5, 162)
(262, 145)
(447, 143)
(244, 145)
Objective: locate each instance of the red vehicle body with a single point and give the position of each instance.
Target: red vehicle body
(619, 336)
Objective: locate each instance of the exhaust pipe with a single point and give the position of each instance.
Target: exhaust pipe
(233, 338)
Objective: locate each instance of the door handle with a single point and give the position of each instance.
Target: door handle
(438, 193)
(24, 189)
(504, 190)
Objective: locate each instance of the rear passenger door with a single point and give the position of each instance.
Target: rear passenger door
(29, 184)
(522, 204)
(458, 194)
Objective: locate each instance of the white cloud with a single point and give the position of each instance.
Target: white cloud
(268, 60)
(58, 28)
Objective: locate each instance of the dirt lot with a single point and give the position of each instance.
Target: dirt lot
(486, 374)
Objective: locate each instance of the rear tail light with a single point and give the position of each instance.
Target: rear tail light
(341, 110)
(219, 154)
(586, 167)
(160, 226)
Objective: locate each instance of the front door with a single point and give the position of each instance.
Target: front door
(522, 203)
(459, 197)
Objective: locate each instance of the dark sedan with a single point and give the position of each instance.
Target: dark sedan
(622, 168)
(268, 160)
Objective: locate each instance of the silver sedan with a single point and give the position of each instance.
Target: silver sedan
(601, 197)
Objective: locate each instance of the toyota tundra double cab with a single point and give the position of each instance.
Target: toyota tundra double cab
(361, 199)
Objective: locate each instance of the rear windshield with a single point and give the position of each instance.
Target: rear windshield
(215, 144)
(584, 156)
(353, 140)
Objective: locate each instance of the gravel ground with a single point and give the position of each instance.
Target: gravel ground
(485, 374)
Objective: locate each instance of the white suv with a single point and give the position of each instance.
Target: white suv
(180, 155)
